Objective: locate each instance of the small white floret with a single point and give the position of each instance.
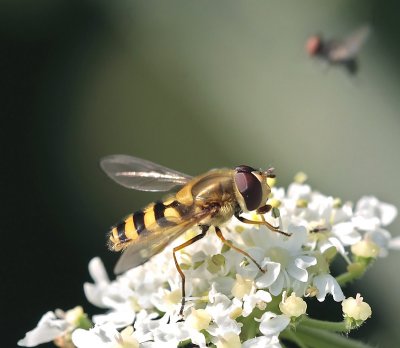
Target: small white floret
(356, 308)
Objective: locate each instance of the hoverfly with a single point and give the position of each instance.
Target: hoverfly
(339, 52)
(206, 200)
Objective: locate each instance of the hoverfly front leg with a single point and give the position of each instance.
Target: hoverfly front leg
(229, 244)
(204, 229)
(262, 210)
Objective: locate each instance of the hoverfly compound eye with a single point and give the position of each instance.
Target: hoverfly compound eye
(249, 187)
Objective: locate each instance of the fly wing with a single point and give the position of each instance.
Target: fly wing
(350, 46)
(139, 174)
(154, 240)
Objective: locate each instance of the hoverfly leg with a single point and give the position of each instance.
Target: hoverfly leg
(276, 229)
(204, 229)
(266, 223)
(229, 244)
(264, 209)
(351, 66)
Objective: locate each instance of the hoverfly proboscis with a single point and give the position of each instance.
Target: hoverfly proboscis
(210, 199)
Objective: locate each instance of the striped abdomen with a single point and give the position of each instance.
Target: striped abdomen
(155, 216)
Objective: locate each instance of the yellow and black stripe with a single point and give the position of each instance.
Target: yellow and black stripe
(156, 216)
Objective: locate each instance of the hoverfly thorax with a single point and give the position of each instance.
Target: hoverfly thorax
(251, 187)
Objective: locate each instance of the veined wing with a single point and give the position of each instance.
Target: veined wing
(139, 174)
(154, 240)
(351, 45)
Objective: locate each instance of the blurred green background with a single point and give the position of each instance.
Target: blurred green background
(191, 85)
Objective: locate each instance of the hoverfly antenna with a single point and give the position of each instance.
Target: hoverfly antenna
(270, 173)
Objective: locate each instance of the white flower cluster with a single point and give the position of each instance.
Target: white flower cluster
(231, 303)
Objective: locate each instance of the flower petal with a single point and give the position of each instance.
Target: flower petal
(394, 243)
(95, 292)
(48, 328)
(346, 233)
(388, 213)
(100, 336)
(297, 268)
(272, 324)
(270, 276)
(276, 287)
(382, 238)
(325, 284)
(262, 342)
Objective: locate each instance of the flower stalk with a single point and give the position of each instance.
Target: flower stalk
(316, 338)
(341, 326)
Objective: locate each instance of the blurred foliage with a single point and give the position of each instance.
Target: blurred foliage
(191, 85)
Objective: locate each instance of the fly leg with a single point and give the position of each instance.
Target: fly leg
(229, 244)
(262, 210)
(204, 229)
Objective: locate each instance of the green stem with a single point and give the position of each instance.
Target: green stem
(354, 271)
(250, 324)
(325, 325)
(345, 278)
(291, 336)
(282, 344)
(84, 322)
(251, 330)
(317, 338)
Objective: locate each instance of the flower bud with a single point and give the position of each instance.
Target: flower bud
(301, 203)
(126, 340)
(229, 340)
(292, 306)
(356, 309)
(275, 213)
(73, 315)
(198, 319)
(300, 178)
(271, 182)
(241, 287)
(215, 263)
(275, 203)
(365, 248)
(172, 298)
(237, 312)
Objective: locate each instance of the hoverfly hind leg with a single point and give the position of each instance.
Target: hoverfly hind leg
(204, 229)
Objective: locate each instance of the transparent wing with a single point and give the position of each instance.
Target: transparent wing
(151, 243)
(139, 174)
(351, 45)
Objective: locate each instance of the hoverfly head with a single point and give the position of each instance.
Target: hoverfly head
(314, 45)
(251, 185)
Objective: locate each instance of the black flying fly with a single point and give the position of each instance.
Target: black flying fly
(342, 52)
